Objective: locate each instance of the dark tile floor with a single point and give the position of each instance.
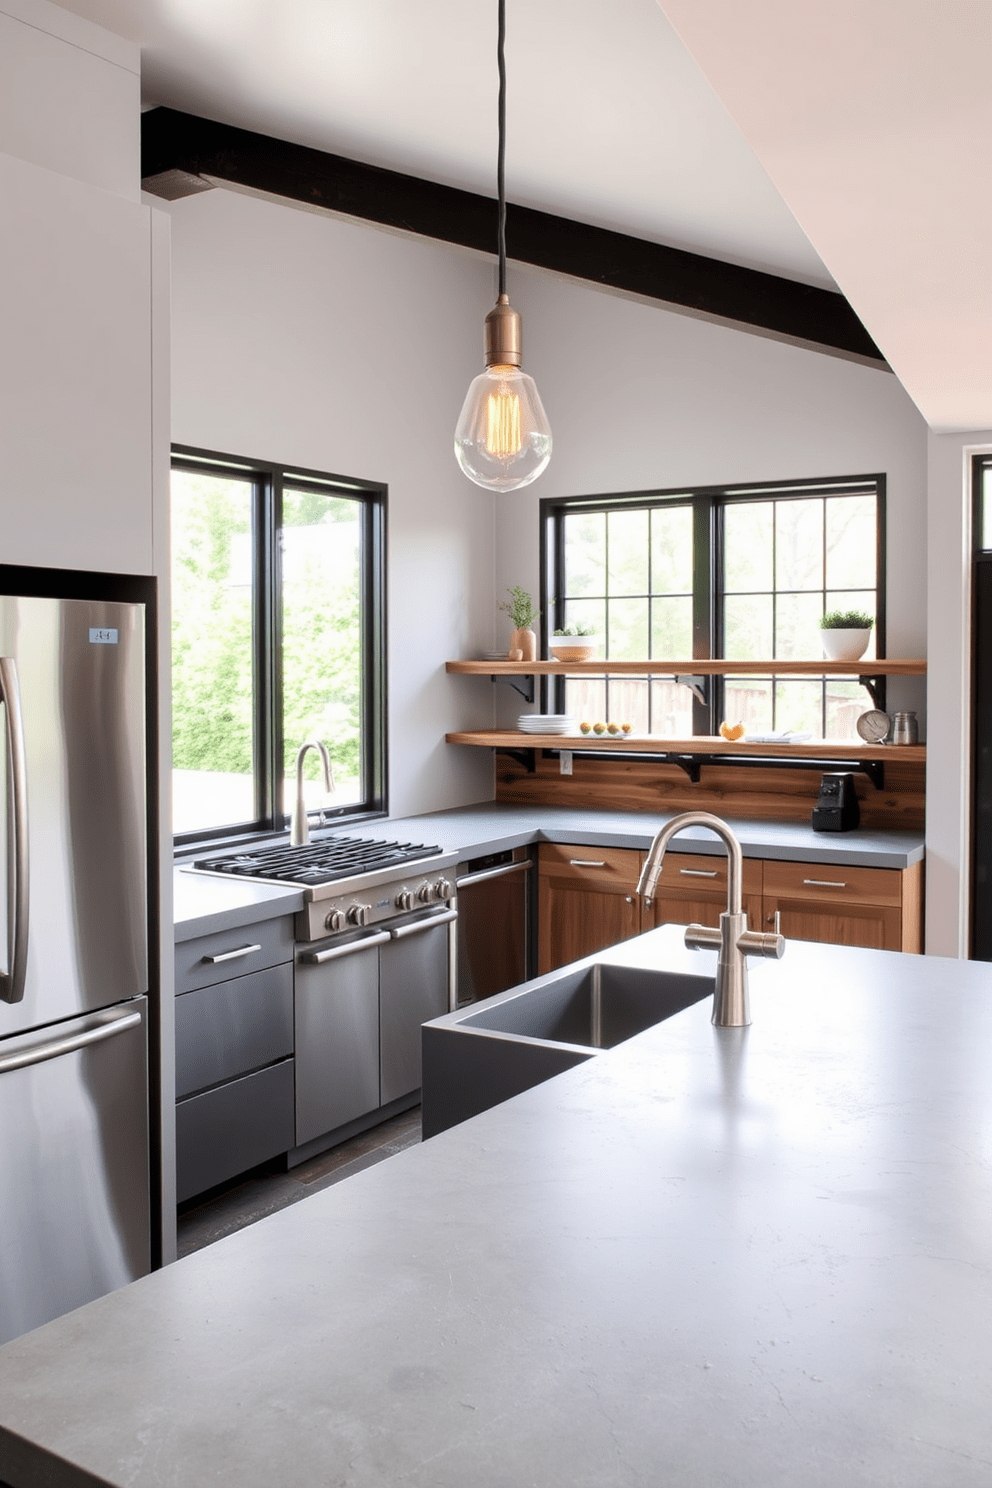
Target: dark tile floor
(264, 1191)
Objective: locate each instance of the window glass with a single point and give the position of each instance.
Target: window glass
(212, 656)
(278, 615)
(321, 641)
(778, 559)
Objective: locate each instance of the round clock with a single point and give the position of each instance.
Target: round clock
(874, 725)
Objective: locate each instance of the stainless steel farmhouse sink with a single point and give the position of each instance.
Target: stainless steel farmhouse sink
(481, 1055)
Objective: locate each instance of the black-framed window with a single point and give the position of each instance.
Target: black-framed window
(278, 636)
(742, 572)
(981, 645)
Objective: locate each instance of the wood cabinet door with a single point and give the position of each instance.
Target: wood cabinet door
(692, 890)
(839, 906)
(587, 900)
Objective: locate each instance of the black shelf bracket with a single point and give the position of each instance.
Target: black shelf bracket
(875, 688)
(523, 684)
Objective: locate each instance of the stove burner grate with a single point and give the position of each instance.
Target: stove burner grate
(319, 862)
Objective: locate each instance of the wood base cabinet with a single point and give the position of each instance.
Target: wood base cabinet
(693, 891)
(879, 908)
(587, 900)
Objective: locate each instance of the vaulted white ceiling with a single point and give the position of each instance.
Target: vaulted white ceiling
(747, 130)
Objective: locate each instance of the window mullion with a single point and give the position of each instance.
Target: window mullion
(268, 701)
(707, 623)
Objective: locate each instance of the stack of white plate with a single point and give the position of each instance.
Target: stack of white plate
(546, 723)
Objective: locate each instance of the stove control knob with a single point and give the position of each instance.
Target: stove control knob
(425, 893)
(404, 899)
(335, 920)
(359, 914)
(442, 889)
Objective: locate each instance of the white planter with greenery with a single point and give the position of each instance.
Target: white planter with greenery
(574, 644)
(845, 634)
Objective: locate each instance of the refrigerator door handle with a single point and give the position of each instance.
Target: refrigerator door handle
(12, 980)
(105, 1027)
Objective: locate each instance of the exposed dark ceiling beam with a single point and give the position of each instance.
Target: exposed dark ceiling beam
(174, 145)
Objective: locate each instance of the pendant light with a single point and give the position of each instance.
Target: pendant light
(503, 439)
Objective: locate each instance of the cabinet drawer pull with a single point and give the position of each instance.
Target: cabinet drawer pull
(824, 883)
(232, 955)
(700, 872)
(584, 863)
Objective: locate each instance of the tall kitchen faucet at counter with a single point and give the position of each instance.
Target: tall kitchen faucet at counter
(733, 939)
(300, 831)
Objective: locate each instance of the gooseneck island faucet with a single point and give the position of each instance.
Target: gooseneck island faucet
(733, 939)
(299, 832)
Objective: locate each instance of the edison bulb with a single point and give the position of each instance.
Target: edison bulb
(503, 439)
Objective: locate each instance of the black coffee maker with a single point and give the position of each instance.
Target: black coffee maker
(837, 808)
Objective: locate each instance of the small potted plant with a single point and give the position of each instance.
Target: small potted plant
(522, 613)
(574, 643)
(845, 634)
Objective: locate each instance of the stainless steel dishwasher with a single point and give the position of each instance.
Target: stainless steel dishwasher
(495, 923)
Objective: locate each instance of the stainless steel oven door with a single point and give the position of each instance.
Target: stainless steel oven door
(359, 1006)
(416, 983)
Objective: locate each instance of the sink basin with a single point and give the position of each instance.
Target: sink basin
(599, 1006)
(483, 1054)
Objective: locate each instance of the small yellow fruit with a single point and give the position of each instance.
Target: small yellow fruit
(732, 731)
(599, 728)
(626, 728)
(585, 728)
(612, 728)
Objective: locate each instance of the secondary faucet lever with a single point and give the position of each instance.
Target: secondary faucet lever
(299, 832)
(733, 939)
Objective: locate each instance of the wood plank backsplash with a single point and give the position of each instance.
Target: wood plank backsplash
(728, 790)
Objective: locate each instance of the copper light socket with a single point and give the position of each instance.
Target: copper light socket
(502, 335)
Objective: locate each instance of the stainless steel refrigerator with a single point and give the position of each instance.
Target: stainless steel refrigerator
(74, 1158)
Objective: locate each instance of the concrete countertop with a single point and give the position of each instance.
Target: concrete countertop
(707, 1257)
(206, 904)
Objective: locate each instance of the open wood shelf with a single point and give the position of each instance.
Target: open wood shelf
(811, 749)
(868, 666)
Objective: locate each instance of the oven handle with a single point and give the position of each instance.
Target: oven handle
(318, 958)
(419, 926)
(486, 873)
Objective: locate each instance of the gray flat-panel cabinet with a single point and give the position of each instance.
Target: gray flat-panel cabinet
(413, 988)
(337, 1040)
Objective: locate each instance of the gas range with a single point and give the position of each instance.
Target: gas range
(348, 882)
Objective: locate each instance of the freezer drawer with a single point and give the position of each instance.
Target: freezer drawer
(74, 1185)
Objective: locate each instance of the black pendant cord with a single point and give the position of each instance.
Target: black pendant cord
(501, 147)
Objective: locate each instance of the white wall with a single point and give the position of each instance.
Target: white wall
(305, 340)
(299, 338)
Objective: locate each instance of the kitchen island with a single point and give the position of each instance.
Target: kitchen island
(708, 1256)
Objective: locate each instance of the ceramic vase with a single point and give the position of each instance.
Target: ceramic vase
(524, 641)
